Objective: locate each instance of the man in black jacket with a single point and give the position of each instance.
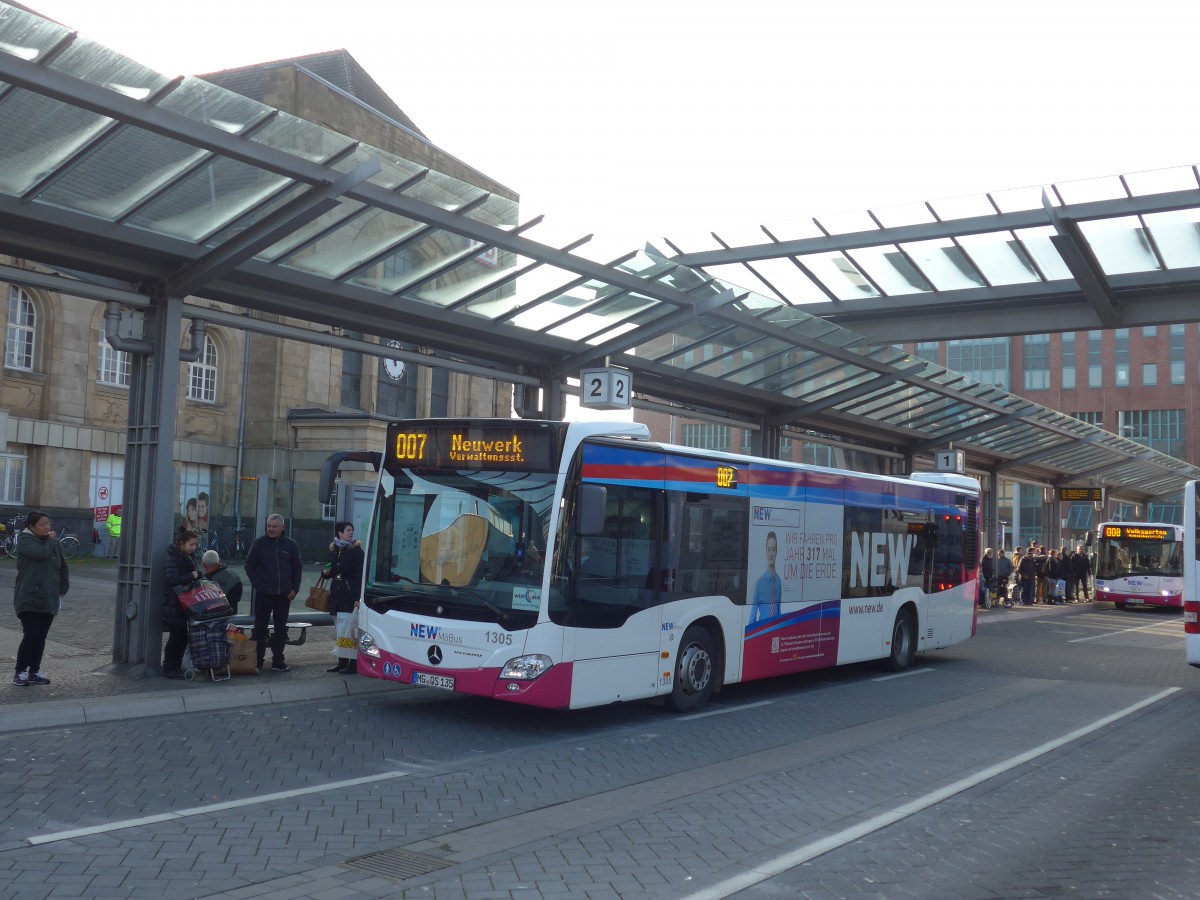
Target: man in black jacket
(1028, 573)
(1081, 570)
(273, 567)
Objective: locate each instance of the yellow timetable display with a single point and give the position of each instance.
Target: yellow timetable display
(472, 446)
(1081, 495)
(1137, 533)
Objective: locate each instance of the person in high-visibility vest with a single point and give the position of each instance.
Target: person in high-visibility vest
(113, 523)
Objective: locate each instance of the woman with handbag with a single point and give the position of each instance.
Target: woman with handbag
(345, 572)
(42, 579)
(179, 574)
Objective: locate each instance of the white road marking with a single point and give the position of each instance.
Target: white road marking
(1096, 637)
(211, 808)
(904, 674)
(722, 711)
(781, 864)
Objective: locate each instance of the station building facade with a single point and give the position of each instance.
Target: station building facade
(252, 404)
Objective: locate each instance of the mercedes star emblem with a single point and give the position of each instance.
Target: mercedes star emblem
(435, 655)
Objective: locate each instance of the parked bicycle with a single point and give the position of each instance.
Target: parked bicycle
(209, 540)
(233, 548)
(12, 531)
(68, 542)
(237, 546)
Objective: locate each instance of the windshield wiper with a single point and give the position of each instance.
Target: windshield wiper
(478, 595)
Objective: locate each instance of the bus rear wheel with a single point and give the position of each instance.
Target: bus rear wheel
(693, 680)
(904, 641)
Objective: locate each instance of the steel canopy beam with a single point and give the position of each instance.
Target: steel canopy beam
(286, 220)
(642, 333)
(1073, 247)
(947, 228)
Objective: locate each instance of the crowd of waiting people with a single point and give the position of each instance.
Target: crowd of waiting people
(1036, 575)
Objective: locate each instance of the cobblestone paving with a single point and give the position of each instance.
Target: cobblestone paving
(630, 802)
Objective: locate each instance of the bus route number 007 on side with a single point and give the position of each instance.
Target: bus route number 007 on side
(566, 565)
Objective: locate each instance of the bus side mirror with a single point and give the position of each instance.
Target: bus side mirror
(590, 504)
(1091, 535)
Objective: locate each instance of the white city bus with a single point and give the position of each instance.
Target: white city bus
(567, 565)
(1140, 563)
(1191, 573)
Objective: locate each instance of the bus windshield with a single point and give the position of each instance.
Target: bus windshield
(1117, 557)
(460, 545)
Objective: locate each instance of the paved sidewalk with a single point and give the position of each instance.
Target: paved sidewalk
(87, 687)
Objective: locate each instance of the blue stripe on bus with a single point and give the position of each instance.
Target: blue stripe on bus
(655, 470)
(828, 609)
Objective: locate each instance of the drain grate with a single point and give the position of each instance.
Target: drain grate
(397, 864)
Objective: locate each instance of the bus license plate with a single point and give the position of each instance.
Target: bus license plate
(445, 682)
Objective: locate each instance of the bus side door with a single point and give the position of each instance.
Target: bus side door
(615, 620)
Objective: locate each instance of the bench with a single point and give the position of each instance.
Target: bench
(297, 632)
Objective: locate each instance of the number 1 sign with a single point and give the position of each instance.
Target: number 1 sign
(606, 388)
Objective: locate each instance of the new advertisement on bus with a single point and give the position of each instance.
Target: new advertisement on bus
(567, 565)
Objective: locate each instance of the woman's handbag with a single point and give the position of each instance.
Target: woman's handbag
(205, 600)
(318, 595)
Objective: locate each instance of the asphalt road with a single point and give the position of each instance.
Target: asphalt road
(1051, 756)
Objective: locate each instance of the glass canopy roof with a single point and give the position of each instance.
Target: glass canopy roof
(1089, 246)
(181, 187)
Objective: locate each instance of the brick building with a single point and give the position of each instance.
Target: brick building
(1140, 383)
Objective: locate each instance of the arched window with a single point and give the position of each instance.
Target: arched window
(202, 375)
(22, 330)
(112, 365)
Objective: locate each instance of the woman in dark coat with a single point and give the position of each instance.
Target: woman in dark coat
(345, 571)
(179, 574)
(987, 578)
(42, 580)
(1054, 572)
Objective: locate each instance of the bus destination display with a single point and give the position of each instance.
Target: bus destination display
(473, 447)
(1136, 533)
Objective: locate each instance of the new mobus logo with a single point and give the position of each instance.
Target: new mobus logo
(879, 558)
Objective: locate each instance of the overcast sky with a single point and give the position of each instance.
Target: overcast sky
(639, 120)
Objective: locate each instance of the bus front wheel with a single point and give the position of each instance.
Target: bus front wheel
(904, 641)
(693, 681)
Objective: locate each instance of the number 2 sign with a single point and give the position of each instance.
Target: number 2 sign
(606, 388)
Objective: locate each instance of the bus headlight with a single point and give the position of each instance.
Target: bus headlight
(367, 645)
(527, 668)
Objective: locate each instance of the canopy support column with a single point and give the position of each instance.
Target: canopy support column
(148, 522)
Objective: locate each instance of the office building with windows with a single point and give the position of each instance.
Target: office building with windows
(1141, 383)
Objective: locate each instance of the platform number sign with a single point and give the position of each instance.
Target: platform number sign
(606, 388)
(951, 461)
